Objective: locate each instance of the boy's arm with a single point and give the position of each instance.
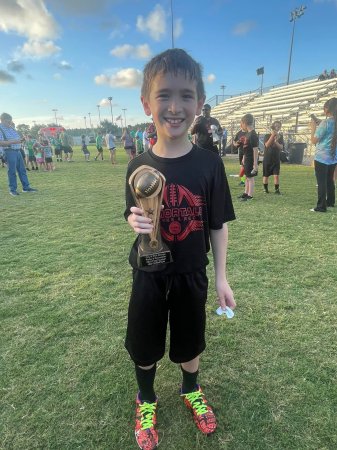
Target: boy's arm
(219, 242)
(256, 157)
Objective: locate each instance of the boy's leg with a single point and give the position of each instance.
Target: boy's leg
(265, 185)
(194, 398)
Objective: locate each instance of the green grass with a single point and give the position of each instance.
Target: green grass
(67, 382)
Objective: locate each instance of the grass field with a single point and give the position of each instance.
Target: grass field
(66, 380)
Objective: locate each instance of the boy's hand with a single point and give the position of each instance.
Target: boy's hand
(225, 295)
(138, 222)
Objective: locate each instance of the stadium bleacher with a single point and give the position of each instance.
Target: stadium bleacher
(292, 104)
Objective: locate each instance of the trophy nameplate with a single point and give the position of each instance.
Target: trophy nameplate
(147, 187)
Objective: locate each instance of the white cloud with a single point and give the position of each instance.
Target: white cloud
(243, 28)
(210, 78)
(154, 24)
(124, 78)
(38, 49)
(127, 50)
(105, 102)
(29, 18)
(178, 28)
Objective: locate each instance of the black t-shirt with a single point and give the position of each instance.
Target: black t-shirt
(272, 154)
(251, 140)
(202, 128)
(196, 200)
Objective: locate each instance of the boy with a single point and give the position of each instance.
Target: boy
(197, 205)
(99, 146)
(273, 146)
(250, 156)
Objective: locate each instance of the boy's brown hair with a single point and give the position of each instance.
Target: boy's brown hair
(248, 119)
(172, 61)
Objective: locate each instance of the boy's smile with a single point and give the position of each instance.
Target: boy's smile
(173, 104)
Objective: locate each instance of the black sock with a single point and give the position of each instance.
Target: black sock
(277, 187)
(145, 380)
(189, 381)
(265, 185)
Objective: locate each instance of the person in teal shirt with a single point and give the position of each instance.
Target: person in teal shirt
(99, 146)
(324, 136)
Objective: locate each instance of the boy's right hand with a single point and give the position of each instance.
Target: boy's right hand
(138, 222)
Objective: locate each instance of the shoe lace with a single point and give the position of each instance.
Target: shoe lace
(147, 411)
(197, 402)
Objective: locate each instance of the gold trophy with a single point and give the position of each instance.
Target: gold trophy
(147, 187)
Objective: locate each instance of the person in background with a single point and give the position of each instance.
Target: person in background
(224, 141)
(273, 145)
(57, 144)
(250, 156)
(84, 148)
(139, 141)
(238, 144)
(66, 146)
(110, 143)
(324, 136)
(146, 142)
(129, 145)
(11, 141)
(29, 144)
(207, 130)
(99, 145)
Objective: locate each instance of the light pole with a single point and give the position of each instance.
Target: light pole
(295, 14)
(55, 111)
(85, 122)
(112, 117)
(99, 114)
(223, 87)
(89, 114)
(172, 37)
(124, 109)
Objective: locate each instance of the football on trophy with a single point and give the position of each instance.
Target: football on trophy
(147, 184)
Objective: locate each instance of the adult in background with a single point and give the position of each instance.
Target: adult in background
(207, 130)
(324, 136)
(110, 143)
(11, 141)
(66, 146)
(224, 142)
(99, 146)
(273, 146)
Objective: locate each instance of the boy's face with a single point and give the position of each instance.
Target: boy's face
(173, 104)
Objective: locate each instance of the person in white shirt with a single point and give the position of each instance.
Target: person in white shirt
(110, 143)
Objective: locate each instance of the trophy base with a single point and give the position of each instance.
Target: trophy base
(148, 259)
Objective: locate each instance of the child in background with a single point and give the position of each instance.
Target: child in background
(39, 153)
(29, 144)
(84, 148)
(250, 156)
(99, 146)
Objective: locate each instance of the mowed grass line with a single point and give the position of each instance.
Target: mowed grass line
(66, 380)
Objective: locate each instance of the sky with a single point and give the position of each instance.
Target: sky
(71, 55)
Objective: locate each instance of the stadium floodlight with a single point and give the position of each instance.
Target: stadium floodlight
(294, 15)
(55, 111)
(112, 117)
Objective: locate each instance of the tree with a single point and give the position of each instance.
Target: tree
(23, 129)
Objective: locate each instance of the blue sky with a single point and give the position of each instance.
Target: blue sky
(71, 55)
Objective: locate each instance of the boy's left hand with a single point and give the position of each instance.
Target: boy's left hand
(225, 295)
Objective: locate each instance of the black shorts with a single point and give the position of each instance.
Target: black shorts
(31, 159)
(49, 159)
(100, 149)
(58, 151)
(158, 299)
(67, 149)
(248, 167)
